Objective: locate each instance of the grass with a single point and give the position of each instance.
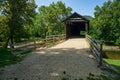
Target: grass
(20, 55)
(115, 55)
(112, 52)
(101, 77)
(112, 56)
(115, 63)
(93, 77)
(7, 58)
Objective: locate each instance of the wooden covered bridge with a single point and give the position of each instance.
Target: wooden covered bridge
(75, 24)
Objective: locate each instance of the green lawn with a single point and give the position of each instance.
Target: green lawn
(112, 56)
(115, 63)
(6, 58)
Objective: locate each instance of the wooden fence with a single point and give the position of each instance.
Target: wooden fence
(48, 41)
(96, 48)
(37, 43)
(54, 38)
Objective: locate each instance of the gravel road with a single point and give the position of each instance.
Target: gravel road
(70, 59)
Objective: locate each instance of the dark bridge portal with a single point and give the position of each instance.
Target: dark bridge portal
(74, 24)
(75, 28)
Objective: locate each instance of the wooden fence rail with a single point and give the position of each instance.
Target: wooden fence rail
(37, 42)
(50, 39)
(96, 48)
(55, 37)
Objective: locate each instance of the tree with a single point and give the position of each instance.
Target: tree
(49, 19)
(18, 13)
(3, 28)
(106, 24)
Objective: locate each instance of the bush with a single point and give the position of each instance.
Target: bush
(118, 42)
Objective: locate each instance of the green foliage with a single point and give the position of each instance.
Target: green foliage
(106, 24)
(17, 20)
(18, 14)
(6, 58)
(118, 42)
(19, 55)
(49, 19)
(3, 28)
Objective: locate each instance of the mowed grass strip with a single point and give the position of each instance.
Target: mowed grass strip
(115, 63)
(113, 58)
(7, 58)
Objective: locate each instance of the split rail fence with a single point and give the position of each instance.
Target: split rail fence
(96, 48)
(37, 43)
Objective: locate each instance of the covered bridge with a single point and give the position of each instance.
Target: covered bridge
(74, 24)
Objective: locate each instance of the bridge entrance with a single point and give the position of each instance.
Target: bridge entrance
(76, 25)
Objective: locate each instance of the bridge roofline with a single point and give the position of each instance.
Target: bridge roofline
(75, 17)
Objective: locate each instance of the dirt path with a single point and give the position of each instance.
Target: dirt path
(68, 59)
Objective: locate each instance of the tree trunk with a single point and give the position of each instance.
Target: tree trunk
(6, 44)
(12, 42)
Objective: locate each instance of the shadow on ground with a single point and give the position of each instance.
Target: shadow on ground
(53, 64)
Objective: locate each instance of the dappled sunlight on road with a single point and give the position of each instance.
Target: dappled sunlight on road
(54, 74)
(70, 58)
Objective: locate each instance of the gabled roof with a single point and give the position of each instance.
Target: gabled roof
(75, 17)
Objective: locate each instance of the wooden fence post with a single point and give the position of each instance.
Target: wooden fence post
(34, 44)
(96, 47)
(101, 47)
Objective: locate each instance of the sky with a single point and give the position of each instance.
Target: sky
(83, 7)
